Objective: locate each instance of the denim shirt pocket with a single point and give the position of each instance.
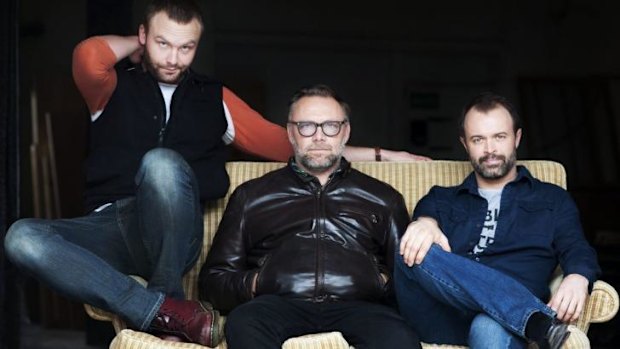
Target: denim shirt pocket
(534, 220)
(535, 206)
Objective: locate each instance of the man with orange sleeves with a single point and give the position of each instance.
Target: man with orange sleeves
(156, 155)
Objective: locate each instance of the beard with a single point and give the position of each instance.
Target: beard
(495, 171)
(317, 164)
(156, 70)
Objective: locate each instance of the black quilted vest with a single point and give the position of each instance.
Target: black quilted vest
(132, 123)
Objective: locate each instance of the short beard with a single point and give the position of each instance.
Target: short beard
(314, 165)
(151, 68)
(494, 172)
(317, 165)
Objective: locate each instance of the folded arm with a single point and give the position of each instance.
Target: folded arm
(93, 66)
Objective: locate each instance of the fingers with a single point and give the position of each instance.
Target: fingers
(413, 247)
(423, 248)
(578, 309)
(567, 306)
(569, 310)
(404, 240)
(563, 309)
(444, 243)
(570, 298)
(418, 239)
(421, 158)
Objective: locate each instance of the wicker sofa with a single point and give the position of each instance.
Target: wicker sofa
(413, 180)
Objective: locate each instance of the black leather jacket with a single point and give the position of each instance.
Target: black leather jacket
(305, 241)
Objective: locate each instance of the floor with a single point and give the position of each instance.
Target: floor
(35, 337)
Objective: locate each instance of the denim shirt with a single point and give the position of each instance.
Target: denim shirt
(538, 227)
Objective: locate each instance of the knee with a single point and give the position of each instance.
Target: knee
(162, 160)
(240, 320)
(252, 314)
(248, 326)
(161, 167)
(483, 323)
(398, 335)
(485, 332)
(22, 241)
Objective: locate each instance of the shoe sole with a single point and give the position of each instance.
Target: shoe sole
(217, 326)
(563, 340)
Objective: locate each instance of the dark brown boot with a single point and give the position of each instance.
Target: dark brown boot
(188, 320)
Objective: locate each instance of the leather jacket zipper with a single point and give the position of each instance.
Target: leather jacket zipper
(318, 273)
(319, 295)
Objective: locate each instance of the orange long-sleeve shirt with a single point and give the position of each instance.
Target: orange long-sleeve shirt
(95, 77)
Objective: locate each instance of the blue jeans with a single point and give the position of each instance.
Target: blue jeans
(157, 235)
(449, 299)
(268, 320)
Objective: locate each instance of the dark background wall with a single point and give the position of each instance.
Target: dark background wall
(8, 164)
(406, 67)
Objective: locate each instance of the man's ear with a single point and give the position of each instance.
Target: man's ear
(347, 130)
(518, 138)
(463, 142)
(290, 128)
(142, 35)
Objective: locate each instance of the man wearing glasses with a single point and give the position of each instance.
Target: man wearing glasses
(309, 248)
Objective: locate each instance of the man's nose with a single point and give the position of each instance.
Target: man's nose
(172, 57)
(319, 135)
(490, 146)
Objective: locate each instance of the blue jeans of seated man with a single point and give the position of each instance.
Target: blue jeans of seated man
(450, 299)
(157, 235)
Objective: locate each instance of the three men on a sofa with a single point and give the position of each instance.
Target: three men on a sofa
(101, 251)
(475, 263)
(310, 247)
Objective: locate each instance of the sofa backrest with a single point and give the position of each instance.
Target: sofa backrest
(412, 179)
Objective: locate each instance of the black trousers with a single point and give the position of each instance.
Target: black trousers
(267, 321)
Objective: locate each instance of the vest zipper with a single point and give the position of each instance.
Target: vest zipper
(162, 130)
(162, 104)
(160, 140)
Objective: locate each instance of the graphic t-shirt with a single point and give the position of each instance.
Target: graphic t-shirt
(487, 235)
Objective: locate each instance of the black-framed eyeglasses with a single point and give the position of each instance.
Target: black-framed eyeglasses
(308, 128)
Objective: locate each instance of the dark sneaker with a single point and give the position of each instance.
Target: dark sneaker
(556, 336)
(188, 320)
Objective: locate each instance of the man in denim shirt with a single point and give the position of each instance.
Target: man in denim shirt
(474, 265)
